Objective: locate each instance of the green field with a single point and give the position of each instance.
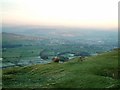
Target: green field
(15, 54)
(99, 71)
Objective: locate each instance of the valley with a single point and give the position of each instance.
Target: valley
(24, 49)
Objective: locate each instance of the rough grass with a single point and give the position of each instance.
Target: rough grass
(99, 71)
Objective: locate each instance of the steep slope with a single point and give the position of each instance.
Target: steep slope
(99, 71)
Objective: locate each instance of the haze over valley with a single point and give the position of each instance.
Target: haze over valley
(54, 42)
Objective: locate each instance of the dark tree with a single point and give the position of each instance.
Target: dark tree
(44, 55)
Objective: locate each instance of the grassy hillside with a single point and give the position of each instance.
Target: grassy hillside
(99, 71)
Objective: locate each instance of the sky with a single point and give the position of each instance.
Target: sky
(69, 13)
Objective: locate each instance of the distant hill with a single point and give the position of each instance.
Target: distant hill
(11, 39)
(12, 36)
(99, 71)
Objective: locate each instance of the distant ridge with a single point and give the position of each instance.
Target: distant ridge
(13, 36)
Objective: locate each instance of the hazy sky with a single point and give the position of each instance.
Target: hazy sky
(71, 13)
